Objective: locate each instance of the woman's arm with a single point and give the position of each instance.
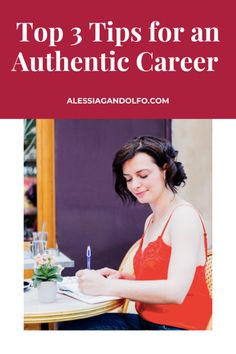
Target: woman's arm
(186, 236)
(115, 274)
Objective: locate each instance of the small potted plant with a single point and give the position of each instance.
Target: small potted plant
(45, 277)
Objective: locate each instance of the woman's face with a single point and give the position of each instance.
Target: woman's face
(145, 180)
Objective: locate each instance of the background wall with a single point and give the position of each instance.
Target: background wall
(87, 208)
(193, 139)
(88, 211)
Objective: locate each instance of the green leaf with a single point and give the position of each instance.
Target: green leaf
(46, 272)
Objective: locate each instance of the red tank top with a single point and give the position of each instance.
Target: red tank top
(152, 264)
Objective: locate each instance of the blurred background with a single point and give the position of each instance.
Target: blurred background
(68, 182)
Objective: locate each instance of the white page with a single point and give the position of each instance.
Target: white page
(70, 287)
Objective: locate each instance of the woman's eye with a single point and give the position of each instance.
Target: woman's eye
(127, 179)
(144, 176)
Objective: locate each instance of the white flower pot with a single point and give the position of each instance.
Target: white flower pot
(47, 291)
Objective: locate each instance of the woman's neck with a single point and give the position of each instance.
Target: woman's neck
(165, 202)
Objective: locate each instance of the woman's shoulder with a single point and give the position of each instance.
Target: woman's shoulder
(185, 208)
(185, 215)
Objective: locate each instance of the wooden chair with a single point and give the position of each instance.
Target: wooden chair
(127, 267)
(209, 280)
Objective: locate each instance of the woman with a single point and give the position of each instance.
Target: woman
(169, 285)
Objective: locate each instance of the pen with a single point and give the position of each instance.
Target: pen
(88, 256)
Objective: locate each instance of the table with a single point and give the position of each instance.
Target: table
(61, 259)
(64, 308)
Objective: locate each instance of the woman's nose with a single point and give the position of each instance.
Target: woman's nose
(135, 183)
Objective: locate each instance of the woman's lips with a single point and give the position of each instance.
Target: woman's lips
(140, 194)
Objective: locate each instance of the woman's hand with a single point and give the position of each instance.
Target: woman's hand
(92, 283)
(115, 274)
(110, 273)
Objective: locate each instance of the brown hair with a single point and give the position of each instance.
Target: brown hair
(164, 155)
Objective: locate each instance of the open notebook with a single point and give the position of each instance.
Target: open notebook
(69, 287)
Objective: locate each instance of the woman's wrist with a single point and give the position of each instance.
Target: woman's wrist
(108, 287)
(117, 287)
(111, 287)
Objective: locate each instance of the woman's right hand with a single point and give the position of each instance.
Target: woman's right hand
(110, 273)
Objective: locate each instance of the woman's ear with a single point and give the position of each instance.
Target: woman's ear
(165, 166)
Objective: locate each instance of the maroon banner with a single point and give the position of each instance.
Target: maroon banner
(124, 59)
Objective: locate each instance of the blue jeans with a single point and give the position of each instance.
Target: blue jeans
(114, 321)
